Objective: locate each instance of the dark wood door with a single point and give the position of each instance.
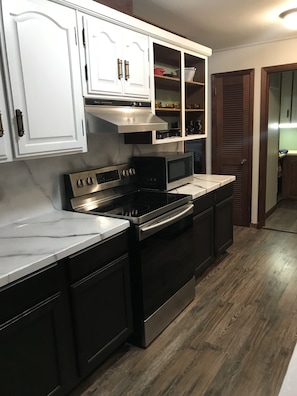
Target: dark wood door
(232, 128)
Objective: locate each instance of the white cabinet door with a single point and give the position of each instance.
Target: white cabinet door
(5, 146)
(117, 61)
(44, 69)
(136, 65)
(103, 57)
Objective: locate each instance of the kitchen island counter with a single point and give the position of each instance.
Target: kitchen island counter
(30, 244)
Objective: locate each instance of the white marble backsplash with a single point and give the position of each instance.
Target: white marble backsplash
(34, 187)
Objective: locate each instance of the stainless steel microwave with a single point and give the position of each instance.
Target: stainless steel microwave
(164, 171)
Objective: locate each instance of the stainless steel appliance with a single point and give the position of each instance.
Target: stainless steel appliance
(103, 115)
(161, 242)
(164, 171)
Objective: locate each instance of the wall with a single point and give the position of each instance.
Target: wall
(125, 6)
(252, 57)
(288, 138)
(34, 187)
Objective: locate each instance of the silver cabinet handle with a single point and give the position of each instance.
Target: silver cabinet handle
(243, 161)
(127, 70)
(120, 68)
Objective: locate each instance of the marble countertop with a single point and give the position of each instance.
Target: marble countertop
(30, 244)
(203, 184)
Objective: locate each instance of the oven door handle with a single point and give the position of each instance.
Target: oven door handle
(168, 220)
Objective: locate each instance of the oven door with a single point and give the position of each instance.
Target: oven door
(163, 262)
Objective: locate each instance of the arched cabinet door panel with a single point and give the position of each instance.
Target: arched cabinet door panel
(117, 61)
(44, 71)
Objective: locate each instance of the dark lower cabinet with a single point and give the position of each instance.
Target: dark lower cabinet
(58, 324)
(213, 225)
(102, 315)
(100, 301)
(37, 353)
(223, 216)
(204, 232)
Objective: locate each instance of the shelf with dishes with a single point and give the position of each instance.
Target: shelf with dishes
(178, 88)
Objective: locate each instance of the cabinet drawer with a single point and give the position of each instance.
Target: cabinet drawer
(19, 296)
(203, 203)
(95, 257)
(223, 192)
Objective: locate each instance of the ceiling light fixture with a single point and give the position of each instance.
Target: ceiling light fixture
(290, 18)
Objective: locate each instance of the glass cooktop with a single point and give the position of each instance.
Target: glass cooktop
(140, 203)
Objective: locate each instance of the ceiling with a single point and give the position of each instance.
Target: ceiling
(219, 24)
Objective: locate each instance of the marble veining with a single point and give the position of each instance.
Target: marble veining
(30, 244)
(203, 183)
(35, 231)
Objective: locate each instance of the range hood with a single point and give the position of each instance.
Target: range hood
(121, 117)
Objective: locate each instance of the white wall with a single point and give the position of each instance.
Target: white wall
(252, 57)
(288, 138)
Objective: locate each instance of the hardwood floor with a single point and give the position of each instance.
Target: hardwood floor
(284, 218)
(235, 339)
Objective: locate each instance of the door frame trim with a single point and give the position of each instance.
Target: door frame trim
(264, 102)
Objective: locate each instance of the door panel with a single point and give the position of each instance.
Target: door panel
(232, 126)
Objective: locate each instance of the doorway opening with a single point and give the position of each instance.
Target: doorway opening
(266, 132)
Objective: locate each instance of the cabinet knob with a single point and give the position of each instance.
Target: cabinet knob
(243, 161)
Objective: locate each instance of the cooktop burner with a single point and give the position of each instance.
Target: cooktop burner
(138, 203)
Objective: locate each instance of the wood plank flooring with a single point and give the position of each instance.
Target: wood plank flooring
(284, 218)
(235, 339)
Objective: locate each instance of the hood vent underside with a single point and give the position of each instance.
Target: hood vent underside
(121, 117)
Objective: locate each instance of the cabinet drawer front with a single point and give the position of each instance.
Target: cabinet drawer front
(203, 203)
(89, 260)
(223, 192)
(19, 296)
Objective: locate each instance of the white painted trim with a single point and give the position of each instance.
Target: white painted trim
(101, 11)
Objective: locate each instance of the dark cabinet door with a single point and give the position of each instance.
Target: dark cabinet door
(223, 225)
(36, 356)
(102, 313)
(204, 237)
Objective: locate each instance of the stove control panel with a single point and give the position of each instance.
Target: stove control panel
(95, 180)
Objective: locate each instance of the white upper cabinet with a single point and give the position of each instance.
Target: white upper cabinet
(5, 146)
(117, 63)
(45, 81)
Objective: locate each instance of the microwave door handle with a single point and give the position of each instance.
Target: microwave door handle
(169, 220)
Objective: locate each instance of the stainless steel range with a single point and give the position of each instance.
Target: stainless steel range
(161, 242)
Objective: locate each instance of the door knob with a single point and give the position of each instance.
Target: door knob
(243, 161)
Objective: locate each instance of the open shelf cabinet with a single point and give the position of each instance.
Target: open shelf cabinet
(179, 99)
